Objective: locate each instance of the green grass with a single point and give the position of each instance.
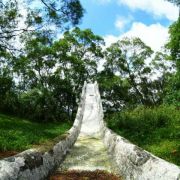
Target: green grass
(19, 134)
(156, 130)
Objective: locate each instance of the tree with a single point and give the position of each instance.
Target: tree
(28, 54)
(128, 59)
(8, 25)
(173, 88)
(114, 91)
(8, 94)
(62, 14)
(59, 14)
(173, 45)
(53, 73)
(79, 52)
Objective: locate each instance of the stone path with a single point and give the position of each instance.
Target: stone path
(88, 152)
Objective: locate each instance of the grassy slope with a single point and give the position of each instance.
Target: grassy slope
(157, 143)
(149, 130)
(19, 134)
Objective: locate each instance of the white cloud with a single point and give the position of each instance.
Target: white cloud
(121, 22)
(154, 35)
(159, 8)
(109, 39)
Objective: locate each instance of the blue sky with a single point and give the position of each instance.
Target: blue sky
(114, 19)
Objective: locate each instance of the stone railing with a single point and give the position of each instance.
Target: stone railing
(35, 164)
(133, 162)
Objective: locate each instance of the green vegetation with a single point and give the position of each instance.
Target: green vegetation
(155, 129)
(19, 134)
(143, 109)
(41, 78)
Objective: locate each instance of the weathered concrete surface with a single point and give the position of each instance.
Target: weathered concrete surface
(36, 165)
(89, 152)
(91, 123)
(133, 162)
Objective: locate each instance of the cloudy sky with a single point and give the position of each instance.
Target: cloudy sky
(114, 19)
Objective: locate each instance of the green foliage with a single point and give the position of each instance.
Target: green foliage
(8, 25)
(127, 57)
(32, 76)
(173, 45)
(51, 74)
(173, 86)
(126, 60)
(61, 13)
(155, 129)
(114, 91)
(42, 80)
(7, 94)
(172, 90)
(19, 134)
(39, 19)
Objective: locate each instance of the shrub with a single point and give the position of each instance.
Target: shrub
(154, 129)
(143, 119)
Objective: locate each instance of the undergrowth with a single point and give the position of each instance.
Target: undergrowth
(19, 134)
(155, 129)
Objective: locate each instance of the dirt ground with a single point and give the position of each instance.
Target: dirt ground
(7, 154)
(84, 175)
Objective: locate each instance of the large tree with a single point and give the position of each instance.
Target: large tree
(128, 58)
(51, 74)
(40, 16)
(130, 64)
(173, 88)
(174, 41)
(27, 55)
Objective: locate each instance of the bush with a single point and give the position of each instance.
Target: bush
(8, 96)
(154, 129)
(143, 119)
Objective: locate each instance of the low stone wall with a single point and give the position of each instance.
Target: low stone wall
(35, 165)
(133, 162)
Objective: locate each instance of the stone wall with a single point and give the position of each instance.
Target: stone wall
(36, 165)
(133, 162)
